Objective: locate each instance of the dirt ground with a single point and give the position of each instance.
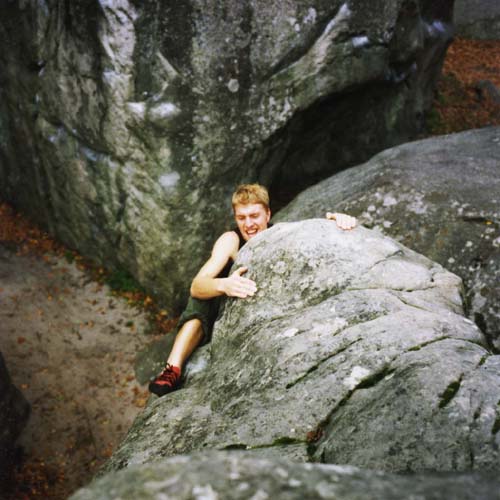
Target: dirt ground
(70, 343)
(70, 347)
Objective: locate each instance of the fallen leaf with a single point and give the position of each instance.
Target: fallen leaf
(140, 402)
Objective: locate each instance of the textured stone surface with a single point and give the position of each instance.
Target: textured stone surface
(477, 18)
(14, 413)
(353, 351)
(236, 475)
(122, 124)
(440, 197)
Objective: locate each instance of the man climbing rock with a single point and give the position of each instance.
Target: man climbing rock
(252, 214)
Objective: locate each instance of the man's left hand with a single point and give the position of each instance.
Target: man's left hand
(343, 221)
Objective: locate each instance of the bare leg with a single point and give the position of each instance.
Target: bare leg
(186, 341)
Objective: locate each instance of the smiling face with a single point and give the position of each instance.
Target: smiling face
(251, 219)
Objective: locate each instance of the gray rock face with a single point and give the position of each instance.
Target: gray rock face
(440, 197)
(236, 475)
(14, 413)
(124, 123)
(353, 351)
(477, 18)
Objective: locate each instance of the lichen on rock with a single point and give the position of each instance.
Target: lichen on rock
(478, 19)
(440, 197)
(354, 351)
(135, 119)
(239, 475)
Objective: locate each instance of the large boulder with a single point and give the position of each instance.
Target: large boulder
(14, 413)
(123, 124)
(236, 475)
(353, 351)
(440, 197)
(477, 19)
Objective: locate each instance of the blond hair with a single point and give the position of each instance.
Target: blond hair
(250, 193)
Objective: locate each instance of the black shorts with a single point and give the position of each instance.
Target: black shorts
(204, 310)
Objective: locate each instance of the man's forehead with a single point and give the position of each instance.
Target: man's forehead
(248, 208)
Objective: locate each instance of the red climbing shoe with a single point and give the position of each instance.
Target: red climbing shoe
(167, 381)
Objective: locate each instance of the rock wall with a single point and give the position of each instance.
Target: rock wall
(14, 413)
(477, 19)
(353, 351)
(440, 197)
(238, 476)
(124, 124)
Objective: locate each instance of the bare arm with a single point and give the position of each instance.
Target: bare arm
(343, 221)
(206, 285)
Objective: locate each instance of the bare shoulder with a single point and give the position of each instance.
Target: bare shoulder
(229, 238)
(225, 248)
(227, 244)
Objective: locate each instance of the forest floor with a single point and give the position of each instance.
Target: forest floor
(70, 342)
(468, 92)
(60, 323)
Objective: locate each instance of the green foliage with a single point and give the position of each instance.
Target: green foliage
(69, 256)
(121, 280)
(496, 424)
(450, 392)
(441, 98)
(453, 92)
(434, 122)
